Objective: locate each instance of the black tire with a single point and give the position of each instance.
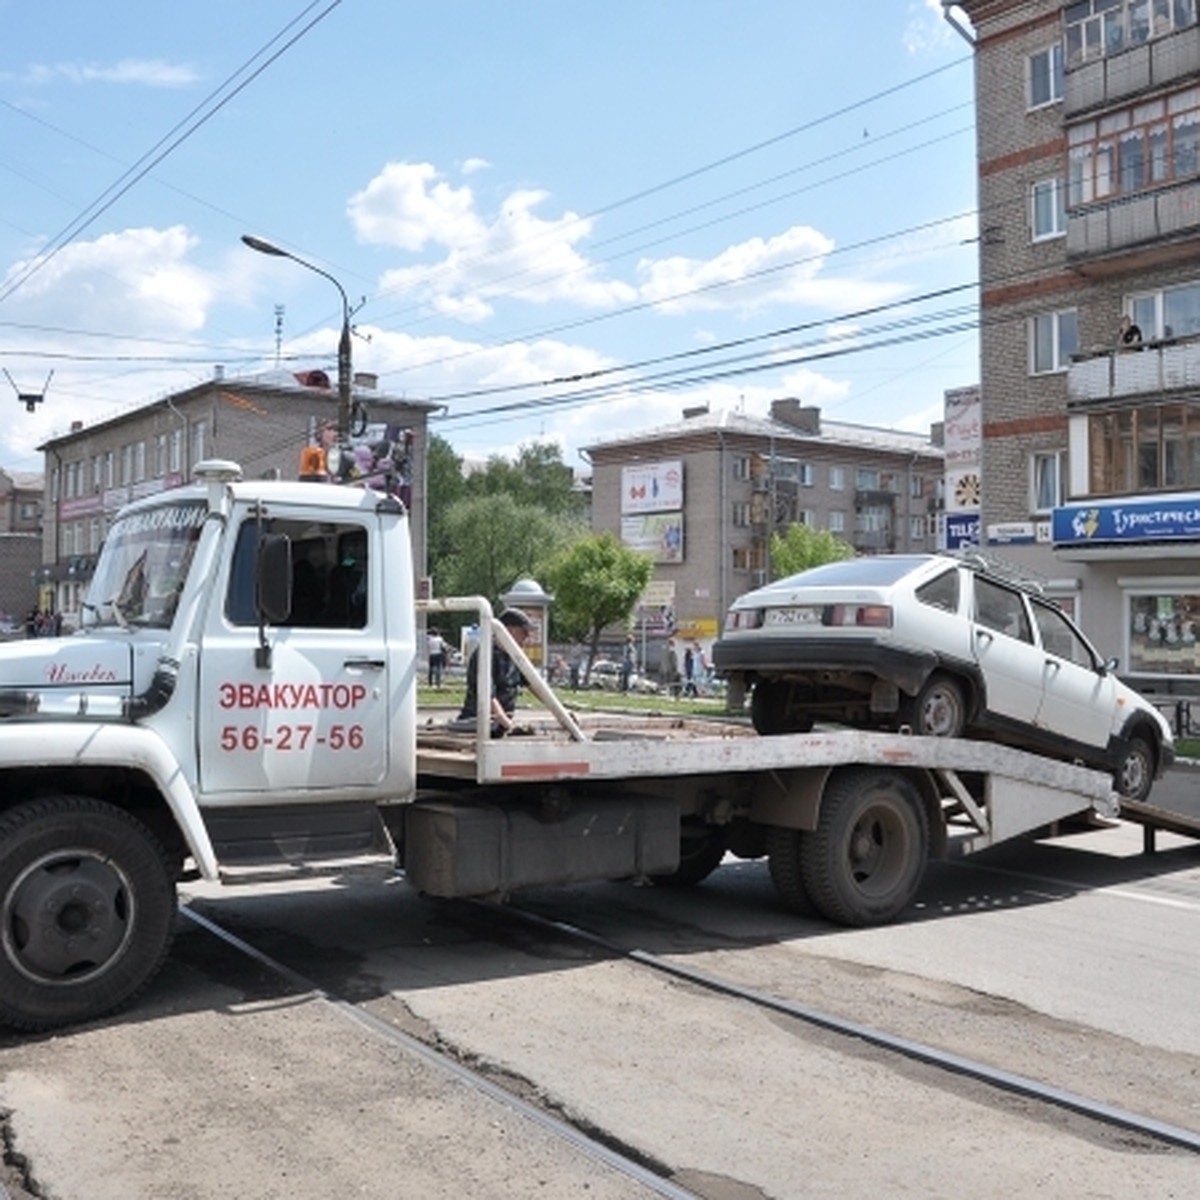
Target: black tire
(1134, 775)
(863, 863)
(783, 861)
(939, 709)
(769, 710)
(104, 879)
(699, 857)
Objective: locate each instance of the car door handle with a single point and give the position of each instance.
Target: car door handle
(1052, 664)
(983, 633)
(364, 664)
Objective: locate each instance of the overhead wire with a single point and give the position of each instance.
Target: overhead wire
(185, 128)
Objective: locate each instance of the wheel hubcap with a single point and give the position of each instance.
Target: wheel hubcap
(66, 917)
(877, 850)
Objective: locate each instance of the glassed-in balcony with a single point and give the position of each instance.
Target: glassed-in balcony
(1129, 58)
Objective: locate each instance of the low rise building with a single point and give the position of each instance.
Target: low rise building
(704, 495)
(261, 422)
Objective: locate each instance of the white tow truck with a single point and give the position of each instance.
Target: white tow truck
(243, 691)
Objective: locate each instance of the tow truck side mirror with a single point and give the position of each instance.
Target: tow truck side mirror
(273, 580)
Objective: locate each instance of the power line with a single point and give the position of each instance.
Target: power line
(164, 146)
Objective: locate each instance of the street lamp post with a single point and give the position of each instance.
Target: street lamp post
(343, 371)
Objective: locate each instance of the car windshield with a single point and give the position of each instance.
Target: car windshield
(871, 571)
(143, 567)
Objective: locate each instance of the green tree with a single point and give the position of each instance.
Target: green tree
(800, 547)
(492, 541)
(444, 486)
(596, 582)
(537, 478)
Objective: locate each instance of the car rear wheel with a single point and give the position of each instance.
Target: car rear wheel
(769, 709)
(939, 709)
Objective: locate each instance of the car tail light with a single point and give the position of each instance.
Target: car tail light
(875, 616)
(743, 618)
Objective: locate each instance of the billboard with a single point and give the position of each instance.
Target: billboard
(658, 534)
(652, 487)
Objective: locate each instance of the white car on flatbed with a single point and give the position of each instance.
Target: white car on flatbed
(944, 645)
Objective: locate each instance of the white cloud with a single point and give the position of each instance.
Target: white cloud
(137, 279)
(408, 205)
(146, 72)
(511, 252)
(473, 166)
(756, 274)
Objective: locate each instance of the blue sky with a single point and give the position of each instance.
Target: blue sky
(521, 193)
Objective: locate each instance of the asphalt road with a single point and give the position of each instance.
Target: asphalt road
(1069, 961)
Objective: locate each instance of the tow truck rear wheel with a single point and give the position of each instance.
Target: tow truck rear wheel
(87, 910)
(783, 861)
(700, 854)
(863, 863)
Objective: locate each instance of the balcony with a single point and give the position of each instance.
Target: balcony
(1116, 77)
(1114, 374)
(1137, 231)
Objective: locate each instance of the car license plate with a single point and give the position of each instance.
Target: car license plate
(792, 616)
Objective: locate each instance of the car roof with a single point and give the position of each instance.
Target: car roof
(883, 570)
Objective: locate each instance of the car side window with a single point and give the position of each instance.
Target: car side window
(1060, 638)
(1001, 609)
(941, 592)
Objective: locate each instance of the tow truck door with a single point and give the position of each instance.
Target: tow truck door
(314, 717)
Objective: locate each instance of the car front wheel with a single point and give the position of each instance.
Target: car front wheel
(1135, 772)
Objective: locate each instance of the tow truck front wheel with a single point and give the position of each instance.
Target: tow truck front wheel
(87, 910)
(863, 863)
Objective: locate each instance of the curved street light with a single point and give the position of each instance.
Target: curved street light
(343, 370)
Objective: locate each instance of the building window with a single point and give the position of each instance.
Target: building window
(866, 479)
(160, 456)
(1046, 480)
(127, 463)
(110, 470)
(805, 517)
(94, 536)
(1152, 448)
(916, 529)
(805, 474)
(1046, 76)
(1048, 209)
(177, 451)
(1053, 338)
(741, 467)
(837, 479)
(97, 472)
(837, 521)
(741, 515)
(139, 461)
(1164, 632)
(199, 441)
(916, 486)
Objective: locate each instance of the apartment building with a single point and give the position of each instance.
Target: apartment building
(261, 422)
(703, 496)
(1088, 119)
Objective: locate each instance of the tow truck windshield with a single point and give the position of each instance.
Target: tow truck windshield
(143, 567)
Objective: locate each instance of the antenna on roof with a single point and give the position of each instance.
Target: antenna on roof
(30, 399)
